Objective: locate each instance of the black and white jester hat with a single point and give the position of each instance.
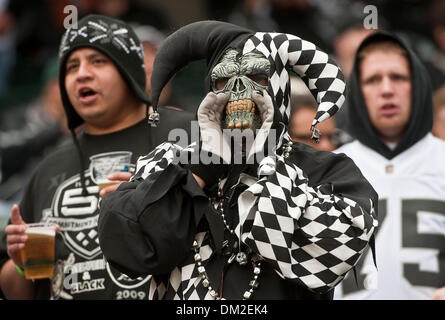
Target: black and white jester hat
(114, 38)
(211, 39)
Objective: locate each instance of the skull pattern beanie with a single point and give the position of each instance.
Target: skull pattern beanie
(112, 37)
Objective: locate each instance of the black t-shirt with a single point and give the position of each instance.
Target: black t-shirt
(54, 194)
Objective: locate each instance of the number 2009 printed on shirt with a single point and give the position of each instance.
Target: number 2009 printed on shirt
(130, 294)
(411, 239)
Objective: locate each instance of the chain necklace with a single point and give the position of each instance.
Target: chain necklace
(253, 284)
(241, 257)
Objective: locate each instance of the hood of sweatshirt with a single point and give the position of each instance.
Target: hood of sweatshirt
(421, 119)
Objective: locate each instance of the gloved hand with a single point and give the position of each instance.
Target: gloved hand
(210, 120)
(265, 106)
(266, 110)
(215, 150)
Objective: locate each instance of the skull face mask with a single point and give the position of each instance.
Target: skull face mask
(252, 63)
(241, 75)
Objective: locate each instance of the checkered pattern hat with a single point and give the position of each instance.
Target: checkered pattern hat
(210, 39)
(114, 38)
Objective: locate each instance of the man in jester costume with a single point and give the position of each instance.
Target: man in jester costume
(276, 220)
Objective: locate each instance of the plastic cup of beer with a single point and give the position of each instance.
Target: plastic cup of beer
(38, 253)
(104, 164)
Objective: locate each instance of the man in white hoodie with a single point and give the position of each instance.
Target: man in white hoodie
(390, 115)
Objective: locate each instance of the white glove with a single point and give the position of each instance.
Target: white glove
(210, 121)
(266, 110)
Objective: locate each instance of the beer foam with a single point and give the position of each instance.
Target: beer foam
(48, 231)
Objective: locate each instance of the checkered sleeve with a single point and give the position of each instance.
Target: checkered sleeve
(160, 158)
(310, 235)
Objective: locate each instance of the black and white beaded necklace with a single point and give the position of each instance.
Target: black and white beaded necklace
(240, 257)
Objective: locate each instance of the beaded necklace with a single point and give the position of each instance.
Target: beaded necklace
(241, 257)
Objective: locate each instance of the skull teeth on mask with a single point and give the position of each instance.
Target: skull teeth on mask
(241, 114)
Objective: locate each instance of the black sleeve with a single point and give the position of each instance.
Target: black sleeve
(144, 218)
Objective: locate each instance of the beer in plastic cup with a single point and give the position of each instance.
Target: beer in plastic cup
(104, 164)
(38, 253)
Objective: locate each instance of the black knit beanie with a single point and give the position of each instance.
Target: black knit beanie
(112, 37)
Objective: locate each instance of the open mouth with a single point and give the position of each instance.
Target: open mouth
(86, 92)
(240, 114)
(87, 95)
(389, 109)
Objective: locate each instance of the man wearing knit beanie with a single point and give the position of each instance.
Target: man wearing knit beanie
(102, 83)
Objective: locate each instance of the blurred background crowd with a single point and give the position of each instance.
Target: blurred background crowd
(32, 120)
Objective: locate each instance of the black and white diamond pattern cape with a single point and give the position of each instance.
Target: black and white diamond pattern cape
(309, 235)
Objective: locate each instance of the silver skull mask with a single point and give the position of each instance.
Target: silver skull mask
(241, 75)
